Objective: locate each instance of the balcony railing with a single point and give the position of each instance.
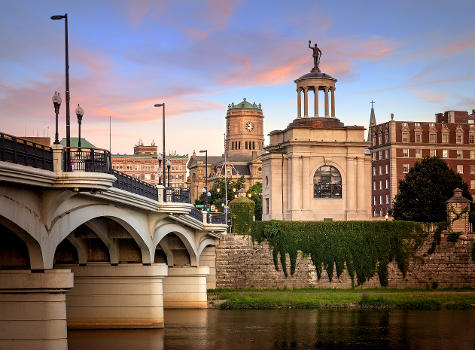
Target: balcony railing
(21, 151)
(131, 184)
(86, 159)
(216, 218)
(172, 194)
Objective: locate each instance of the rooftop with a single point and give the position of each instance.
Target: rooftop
(245, 105)
(74, 142)
(315, 75)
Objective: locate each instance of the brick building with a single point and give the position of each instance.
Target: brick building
(145, 164)
(398, 145)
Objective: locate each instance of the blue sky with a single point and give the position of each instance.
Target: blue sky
(414, 58)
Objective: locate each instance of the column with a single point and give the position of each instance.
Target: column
(316, 101)
(326, 102)
(122, 296)
(333, 101)
(185, 288)
(305, 102)
(307, 178)
(299, 108)
(33, 309)
(350, 188)
(296, 183)
(360, 181)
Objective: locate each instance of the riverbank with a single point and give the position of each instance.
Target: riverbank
(309, 298)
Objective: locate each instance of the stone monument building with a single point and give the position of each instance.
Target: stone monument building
(316, 168)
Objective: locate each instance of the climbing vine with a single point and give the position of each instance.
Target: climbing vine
(241, 214)
(363, 247)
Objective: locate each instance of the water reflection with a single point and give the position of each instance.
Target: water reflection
(292, 329)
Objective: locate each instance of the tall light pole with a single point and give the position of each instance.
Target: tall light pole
(168, 167)
(56, 103)
(79, 113)
(163, 131)
(66, 45)
(206, 177)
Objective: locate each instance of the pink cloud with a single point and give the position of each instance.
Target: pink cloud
(430, 96)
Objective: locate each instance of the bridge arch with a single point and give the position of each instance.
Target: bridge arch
(205, 243)
(135, 224)
(186, 237)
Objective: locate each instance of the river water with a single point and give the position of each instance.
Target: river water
(292, 329)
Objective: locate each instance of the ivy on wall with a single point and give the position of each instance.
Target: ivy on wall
(241, 214)
(363, 247)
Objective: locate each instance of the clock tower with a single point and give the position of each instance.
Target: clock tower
(244, 130)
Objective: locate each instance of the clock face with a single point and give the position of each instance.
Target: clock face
(249, 126)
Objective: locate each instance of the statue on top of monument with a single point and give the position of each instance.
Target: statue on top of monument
(317, 54)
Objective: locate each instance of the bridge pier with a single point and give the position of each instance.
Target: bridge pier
(33, 309)
(122, 296)
(185, 288)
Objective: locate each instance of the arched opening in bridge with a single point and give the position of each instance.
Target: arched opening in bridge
(13, 251)
(172, 245)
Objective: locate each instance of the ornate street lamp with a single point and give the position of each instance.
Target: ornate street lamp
(56, 103)
(168, 167)
(79, 114)
(205, 190)
(66, 45)
(163, 131)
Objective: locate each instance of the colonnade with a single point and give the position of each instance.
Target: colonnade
(328, 108)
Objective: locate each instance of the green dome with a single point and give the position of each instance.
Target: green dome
(244, 105)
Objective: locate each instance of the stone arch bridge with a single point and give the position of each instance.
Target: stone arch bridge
(88, 247)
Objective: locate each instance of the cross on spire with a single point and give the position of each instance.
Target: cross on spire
(372, 104)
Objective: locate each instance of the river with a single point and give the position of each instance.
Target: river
(292, 329)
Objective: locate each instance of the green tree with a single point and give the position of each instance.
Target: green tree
(422, 194)
(218, 193)
(255, 193)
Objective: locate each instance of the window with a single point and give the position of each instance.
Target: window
(418, 137)
(380, 155)
(374, 186)
(374, 200)
(405, 168)
(387, 199)
(380, 199)
(387, 182)
(405, 152)
(327, 182)
(404, 123)
(445, 153)
(433, 153)
(472, 169)
(380, 141)
(471, 138)
(267, 205)
(147, 176)
(405, 137)
(445, 138)
(374, 171)
(387, 154)
(418, 153)
(460, 169)
(459, 138)
(472, 184)
(432, 138)
(380, 170)
(432, 124)
(387, 169)
(472, 154)
(380, 184)
(459, 154)
(374, 155)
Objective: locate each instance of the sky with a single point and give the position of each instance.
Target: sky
(413, 58)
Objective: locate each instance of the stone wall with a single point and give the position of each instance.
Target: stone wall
(241, 263)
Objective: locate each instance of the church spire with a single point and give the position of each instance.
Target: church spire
(372, 121)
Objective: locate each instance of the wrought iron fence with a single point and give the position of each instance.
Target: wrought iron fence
(21, 151)
(216, 218)
(131, 184)
(86, 159)
(172, 194)
(196, 214)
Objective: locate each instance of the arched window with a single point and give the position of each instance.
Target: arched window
(327, 182)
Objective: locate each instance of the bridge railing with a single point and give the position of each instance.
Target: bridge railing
(196, 214)
(86, 159)
(131, 184)
(175, 194)
(21, 151)
(216, 218)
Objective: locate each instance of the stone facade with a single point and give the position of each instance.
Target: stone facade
(240, 263)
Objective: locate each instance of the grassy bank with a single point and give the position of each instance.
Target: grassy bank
(409, 299)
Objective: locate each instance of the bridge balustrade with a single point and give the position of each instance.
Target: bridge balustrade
(181, 195)
(131, 184)
(216, 218)
(86, 159)
(196, 214)
(21, 151)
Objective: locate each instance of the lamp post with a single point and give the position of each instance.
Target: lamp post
(168, 167)
(163, 144)
(205, 191)
(55, 18)
(56, 103)
(79, 113)
(159, 169)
